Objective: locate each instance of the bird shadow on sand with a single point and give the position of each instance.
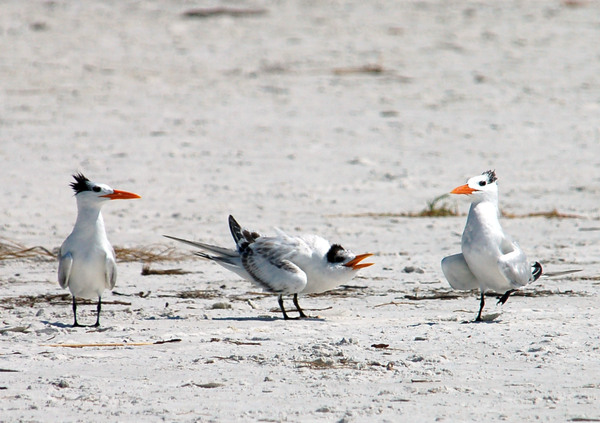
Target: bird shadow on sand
(266, 319)
(486, 318)
(89, 328)
(58, 324)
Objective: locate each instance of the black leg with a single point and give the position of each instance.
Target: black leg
(285, 316)
(302, 315)
(98, 312)
(481, 304)
(75, 324)
(503, 298)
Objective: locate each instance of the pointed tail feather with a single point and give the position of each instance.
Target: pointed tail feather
(236, 233)
(224, 252)
(242, 237)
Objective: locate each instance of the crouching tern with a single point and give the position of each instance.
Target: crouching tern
(490, 259)
(283, 264)
(86, 259)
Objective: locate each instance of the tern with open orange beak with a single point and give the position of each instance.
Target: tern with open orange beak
(284, 264)
(490, 259)
(86, 259)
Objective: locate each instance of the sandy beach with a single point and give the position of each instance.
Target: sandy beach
(345, 119)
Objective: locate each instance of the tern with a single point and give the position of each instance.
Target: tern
(86, 259)
(490, 259)
(283, 264)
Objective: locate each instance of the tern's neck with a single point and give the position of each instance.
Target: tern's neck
(89, 218)
(484, 210)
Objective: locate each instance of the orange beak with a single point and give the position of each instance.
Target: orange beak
(356, 264)
(121, 195)
(463, 189)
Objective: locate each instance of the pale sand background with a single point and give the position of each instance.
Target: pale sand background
(248, 116)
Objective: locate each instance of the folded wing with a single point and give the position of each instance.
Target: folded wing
(458, 274)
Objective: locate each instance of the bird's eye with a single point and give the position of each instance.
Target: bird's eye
(96, 189)
(482, 183)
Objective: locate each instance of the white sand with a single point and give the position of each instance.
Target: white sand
(248, 116)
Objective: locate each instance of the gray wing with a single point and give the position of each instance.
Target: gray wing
(111, 271)
(65, 262)
(458, 274)
(513, 264)
(267, 261)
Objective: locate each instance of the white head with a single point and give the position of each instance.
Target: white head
(91, 193)
(335, 261)
(481, 187)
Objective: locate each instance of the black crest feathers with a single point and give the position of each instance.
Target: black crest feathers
(333, 255)
(80, 184)
(491, 175)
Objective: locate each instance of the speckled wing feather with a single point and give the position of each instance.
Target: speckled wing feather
(268, 262)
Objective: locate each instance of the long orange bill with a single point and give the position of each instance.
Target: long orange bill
(356, 264)
(463, 189)
(121, 195)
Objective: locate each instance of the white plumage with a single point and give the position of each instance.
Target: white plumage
(86, 259)
(490, 259)
(283, 264)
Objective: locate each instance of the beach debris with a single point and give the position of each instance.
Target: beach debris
(114, 344)
(234, 12)
(14, 250)
(22, 329)
(10, 250)
(380, 346)
(552, 214)
(235, 342)
(31, 300)
(365, 69)
(146, 271)
(209, 385)
(411, 269)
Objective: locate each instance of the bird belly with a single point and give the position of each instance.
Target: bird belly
(88, 277)
(317, 283)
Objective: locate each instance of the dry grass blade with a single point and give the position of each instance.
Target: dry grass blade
(114, 344)
(541, 293)
(149, 254)
(10, 250)
(434, 208)
(195, 293)
(208, 12)
(14, 250)
(552, 214)
(438, 208)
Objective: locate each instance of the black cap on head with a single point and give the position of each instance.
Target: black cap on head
(80, 184)
(334, 256)
(491, 175)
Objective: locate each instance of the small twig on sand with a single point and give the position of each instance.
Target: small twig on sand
(366, 69)
(208, 12)
(114, 344)
(147, 271)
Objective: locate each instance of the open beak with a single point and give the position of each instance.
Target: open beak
(463, 189)
(121, 195)
(356, 264)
